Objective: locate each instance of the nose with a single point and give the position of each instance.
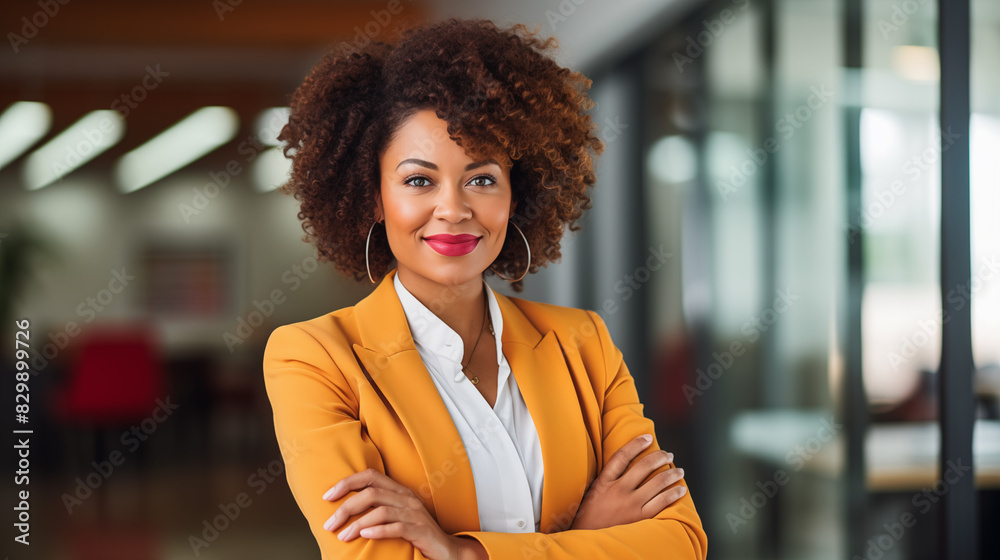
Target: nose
(451, 204)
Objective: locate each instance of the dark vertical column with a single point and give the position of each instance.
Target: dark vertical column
(955, 374)
(636, 209)
(633, 239)
(854, 408)
(774, 394)
(774, 381)
(710, 415)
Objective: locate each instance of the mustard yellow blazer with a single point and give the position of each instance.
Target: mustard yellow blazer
(349, 391)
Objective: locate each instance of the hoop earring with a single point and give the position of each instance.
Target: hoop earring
(529, 257)
(367, 241)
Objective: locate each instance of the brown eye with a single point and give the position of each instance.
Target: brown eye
(486, 177)
(416, 178)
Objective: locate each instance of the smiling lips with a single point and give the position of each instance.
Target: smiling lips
(453, 245)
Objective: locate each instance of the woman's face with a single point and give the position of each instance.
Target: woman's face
(432, 189)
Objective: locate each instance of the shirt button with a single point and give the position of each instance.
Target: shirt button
(520, 523)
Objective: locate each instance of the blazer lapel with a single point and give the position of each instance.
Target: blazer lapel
(391, 359)
(539, 366)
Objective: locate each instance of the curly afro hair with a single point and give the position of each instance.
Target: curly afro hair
(498, 92)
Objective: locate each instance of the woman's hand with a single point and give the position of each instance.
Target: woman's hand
(396, 512)
(616, 499)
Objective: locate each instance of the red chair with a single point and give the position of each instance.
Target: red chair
(116, 378)
(113, 384)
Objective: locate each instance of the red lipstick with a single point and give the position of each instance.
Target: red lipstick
(453, 245)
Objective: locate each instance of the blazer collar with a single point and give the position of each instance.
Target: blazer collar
(539, 365)
(381, 320)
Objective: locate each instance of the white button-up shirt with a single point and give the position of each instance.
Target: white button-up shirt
(501, 442)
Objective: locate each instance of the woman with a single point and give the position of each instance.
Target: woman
(436, 418)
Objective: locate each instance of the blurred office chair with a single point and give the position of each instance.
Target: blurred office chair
(116, 379)
(113, 384)
(921, 405)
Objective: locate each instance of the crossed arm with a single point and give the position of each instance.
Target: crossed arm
(322, 442)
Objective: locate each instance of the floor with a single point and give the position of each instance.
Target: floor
(187, 512)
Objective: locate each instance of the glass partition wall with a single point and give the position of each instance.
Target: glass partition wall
(791, 155)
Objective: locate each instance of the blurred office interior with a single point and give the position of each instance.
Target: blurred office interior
(773, 245)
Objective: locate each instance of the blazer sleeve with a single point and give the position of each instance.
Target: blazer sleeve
(675, 533)
(321, 439)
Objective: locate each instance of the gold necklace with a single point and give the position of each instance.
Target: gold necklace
(486, 316)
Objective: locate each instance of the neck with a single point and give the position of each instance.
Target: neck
(461, 306)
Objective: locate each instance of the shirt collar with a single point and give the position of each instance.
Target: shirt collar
(431, 332)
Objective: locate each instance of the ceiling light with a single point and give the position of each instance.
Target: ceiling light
(21, 125)
(81, 142)
(271, 169)
(269, 124)
(189, 139)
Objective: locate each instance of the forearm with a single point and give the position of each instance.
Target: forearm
(648, 539)
(471, 549)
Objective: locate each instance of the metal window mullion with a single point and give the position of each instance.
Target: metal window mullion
(855, 402)
(957, 415)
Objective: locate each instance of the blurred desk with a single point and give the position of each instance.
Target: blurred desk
(898, 456)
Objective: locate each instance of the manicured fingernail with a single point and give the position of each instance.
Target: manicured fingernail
(670, 457)
(680, 471)
(329, 493)
(647, 438)
(343, 534)
(684, 490)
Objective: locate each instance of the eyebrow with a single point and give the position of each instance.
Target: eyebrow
(430, 165)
